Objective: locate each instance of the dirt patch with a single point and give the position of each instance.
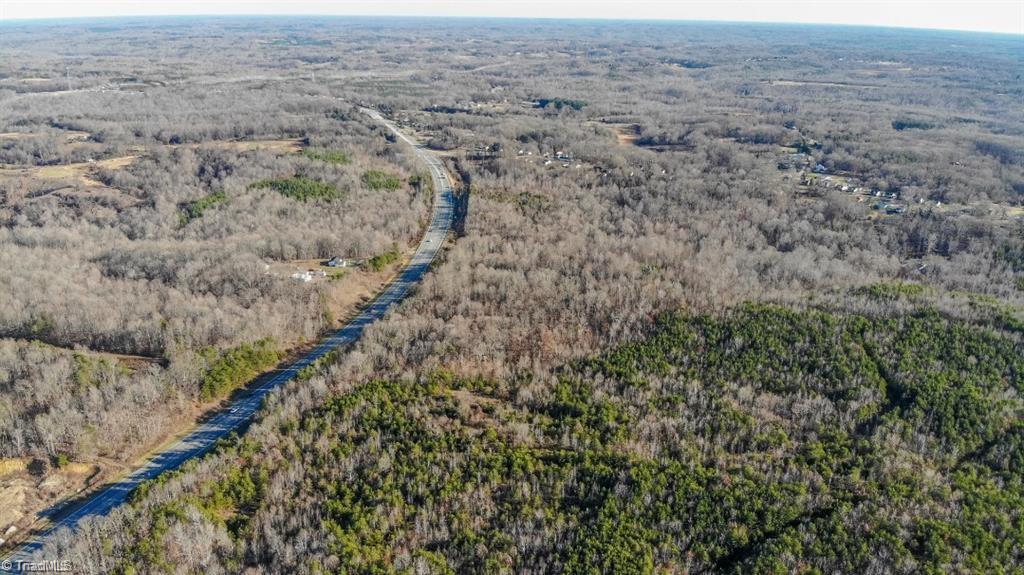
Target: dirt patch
(70, 136)
(68, 177)
(625, 134)
(115, 163)
(13, 494)
(56, 172)
(23, 495)
(77, 170)
(132, 362)
(76, 136)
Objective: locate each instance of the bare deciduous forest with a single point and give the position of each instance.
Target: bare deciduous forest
(728, 298)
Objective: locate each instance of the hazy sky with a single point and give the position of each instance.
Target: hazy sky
(983, 15)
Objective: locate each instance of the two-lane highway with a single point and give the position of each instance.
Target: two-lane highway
(205, 436)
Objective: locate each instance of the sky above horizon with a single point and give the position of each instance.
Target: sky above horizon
(1004, 16)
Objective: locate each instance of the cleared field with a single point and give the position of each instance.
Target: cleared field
(625, 134)
(285, 145)
(69, 135)
(820, 83)
(81, 171)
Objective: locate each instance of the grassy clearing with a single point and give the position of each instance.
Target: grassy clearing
(79, 169)
(12, 465)
(336, 157)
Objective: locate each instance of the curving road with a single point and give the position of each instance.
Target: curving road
(203, 437)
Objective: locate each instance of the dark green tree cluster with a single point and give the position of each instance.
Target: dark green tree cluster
(380, 261)
(330, 156)
(301, 189)
(194, 210)
(559, 103)
(381, 180)
(235, 367)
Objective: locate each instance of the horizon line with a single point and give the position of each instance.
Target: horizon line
(592, 19)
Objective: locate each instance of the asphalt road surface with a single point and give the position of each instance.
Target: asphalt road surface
(205, 436)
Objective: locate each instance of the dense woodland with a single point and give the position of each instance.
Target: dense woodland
(768, 440)
(653, 349)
